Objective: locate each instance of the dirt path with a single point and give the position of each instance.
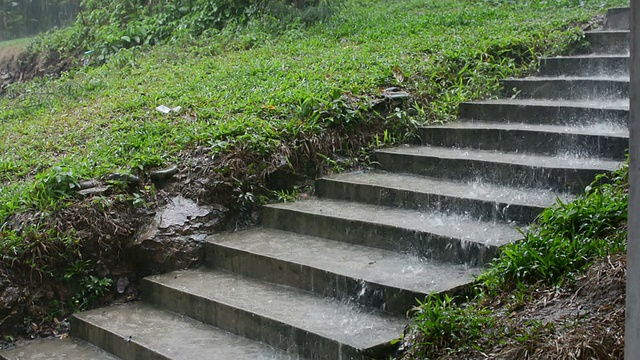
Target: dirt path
(9, 69)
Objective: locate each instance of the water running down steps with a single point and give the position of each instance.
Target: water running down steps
(332, 277)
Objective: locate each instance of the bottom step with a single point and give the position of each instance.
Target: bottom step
(140, 332)
(56, 349)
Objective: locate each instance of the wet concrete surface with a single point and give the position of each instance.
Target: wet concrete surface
(56, 349)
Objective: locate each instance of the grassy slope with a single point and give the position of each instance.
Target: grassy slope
(100, 120)
(256, 91)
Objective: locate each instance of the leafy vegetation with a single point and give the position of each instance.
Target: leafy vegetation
(272, 88)
(558, 248)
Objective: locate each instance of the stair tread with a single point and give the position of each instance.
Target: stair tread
(621, 79)
(559, 162)
(454, 226)
(175, 336)
(341, 322)
(473, 190)
(587, 56)
(621, 104)
(608, 129)
(372, 265)
(57, 349)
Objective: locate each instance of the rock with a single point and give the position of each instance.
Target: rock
(88, 184)
(175, 238)
(122, 284)
(179, 212)
(10, 297)
(93, 191)
(391, 97)
(393, 93)
(128, 178)
(164, 174)
(9, 300)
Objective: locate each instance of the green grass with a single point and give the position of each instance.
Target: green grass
(22, 43)
(263, 87)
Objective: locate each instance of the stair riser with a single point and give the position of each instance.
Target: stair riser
(533, 142)
(619, 18)
(613, 67)
(126, 349)
(392, 300)
(566, 89)
(246, 324)
(608, 43)
(562, 180)
(539, 114)
(377, 296)
(377, 195)
(380, 236)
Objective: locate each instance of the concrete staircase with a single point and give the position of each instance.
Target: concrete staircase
(333, 277)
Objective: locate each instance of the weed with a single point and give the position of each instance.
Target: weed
(287, 196)
(92, 290)
(564, 241)
(566, 237)
(444, 324)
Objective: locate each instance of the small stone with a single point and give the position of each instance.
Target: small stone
(93, 191)
(164, 174)
(395, 93)
(128, 178)
(88, 184)
(122, 284)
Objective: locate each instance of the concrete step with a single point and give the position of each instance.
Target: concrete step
(139, 331)
(586, 65)
(611, 42)
(568, 88)
(482, 201)
(377, 278)
(56, 349)
(290, 319)
(599, 141)
(431, 234)
(619, 18)
(558, 173)
(547, 112)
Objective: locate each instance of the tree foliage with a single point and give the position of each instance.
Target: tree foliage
(104, 27)
(20, 18)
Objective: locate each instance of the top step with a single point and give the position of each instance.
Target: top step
(610, 42)
(619, 18)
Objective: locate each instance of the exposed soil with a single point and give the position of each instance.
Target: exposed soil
(9, 68)
(16, 65)
(584, 320)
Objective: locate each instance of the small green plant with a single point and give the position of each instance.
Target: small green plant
(564, 240)
(57, 183)
(92, 289)
(333, 166)
(286, 196)
(444, 324)
(566, 237)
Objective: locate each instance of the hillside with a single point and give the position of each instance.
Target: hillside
(264, 105)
